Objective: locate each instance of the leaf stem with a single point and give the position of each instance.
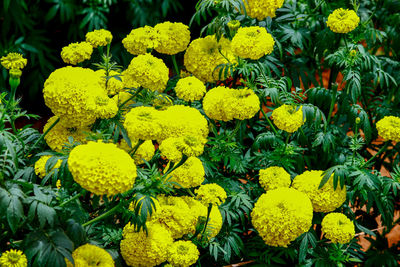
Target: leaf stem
(333, 100)
(104, 215)
(72, 199)
(43, 135)
(385, 146)
(175, 65)
(269, 121)
(286, 142)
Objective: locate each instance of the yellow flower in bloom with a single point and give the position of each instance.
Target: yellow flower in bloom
(13, 258)
(100, 37)
(150, 72)
(13, 61)
(325, 199)
(57, 137)
(274, 177)
(252, 42)
(113, 85)
(183, 253)
(189, 174)
(139, 40)
(261, 9)
(76, 52)
(204, 54)
(389, 128)
(343, 20)
(244, 103)
(288, 118)
(338, 228)
(141, 249)
(40, 166)
(70, 93)
(144, 123)
(105, 107)
(144, 152)
(103, 169)
(91, 256)
(173, 37)
(281, 215)
(211, 194)
(174, 147)
(190, 89)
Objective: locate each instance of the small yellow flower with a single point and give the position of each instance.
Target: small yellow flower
(211, 194)
(13, 61)
(274, 177)
(76, 52)
(338, 228)
(389, 128)
(183, 253)
(353, 53)
(288, 118)
(343, 20)
(99, 38)
(13, 258)
(91, 256)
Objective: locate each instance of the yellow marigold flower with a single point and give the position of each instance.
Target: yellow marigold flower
(288, 118)
(281, 215)
(144, 123)
(13, 258)
(190, 174)
(252, 42)
(113, 85)
(338, 228)
(103, 169)
(144, 152)
(343, 20)
(105, 107)
(190, 89)
(150, 72)
(13, 61)
(40, 166)
(389, 128)
(204, 54)
(141, 249)
(140, 40)
(173, 37)
(274, 177)
(183, 253)
(57, 137)
(76, 52)
(325, 199)
(91, 256)
(261, 9)
(100, 37)
(174, 147)
(211, 194)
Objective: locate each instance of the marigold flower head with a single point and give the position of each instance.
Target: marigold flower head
(281, 215)
(288, 118)
(173, 37)
(389, 128)
(183, 253)
(274, 177)
(252, 42)
(190, 89)
(105, 107)
(343, 20)
(261, 9)
(40, 166)
(102, 168)
(325, 199)
(13, 61)
(338, 228)
(190, 174)
(90, 256)
(140, 40)
(13, 258)
(211, 194)
(98, 38)
(76, 52)
(174, 147)
(144, 123)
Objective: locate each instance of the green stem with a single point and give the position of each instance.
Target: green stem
(333, 100)
(184, 158)
(135, 148)
(269, 121)
(175, 65)
(104, 215)
(43, 135)
(286, 142)
(345, 42)
(72, 199)
(190, 192)
(377, 154)
(208, 217)
(132, 97)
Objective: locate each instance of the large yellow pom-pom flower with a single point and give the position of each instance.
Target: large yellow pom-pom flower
(189, 174)
(288, 118)
(252, 42)
(211, 194)
(144, 123)
(40, 166)
(338, 228)
(103, 169)
(183, 253)
(13, 258)
(141, 249)
(261, 9)
(281, 215)
(149, 71)
(389, 128)
(325, 199)
(13, 61)
(140, 40)
(190, 89)
(343, 20)
(90, 256)
(274, 177)
(98, 38)
(173, 37)
(76, 52)
(204, 54)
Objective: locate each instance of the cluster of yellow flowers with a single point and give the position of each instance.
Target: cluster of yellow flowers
(13, 61)
(13, 258)
(281, 215)
(40, 166)
(76, 52)
(325, 199)
(261, 9)
(98, 38)
(389, 128)
(183, 253)
(211, 194)
(223, 103)
(190, 89)
(102, 168)
(90, 256)
(189, 174)
(338, 228)
(288, 118)
(274, 177)
(343, 20)
(252, 42)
